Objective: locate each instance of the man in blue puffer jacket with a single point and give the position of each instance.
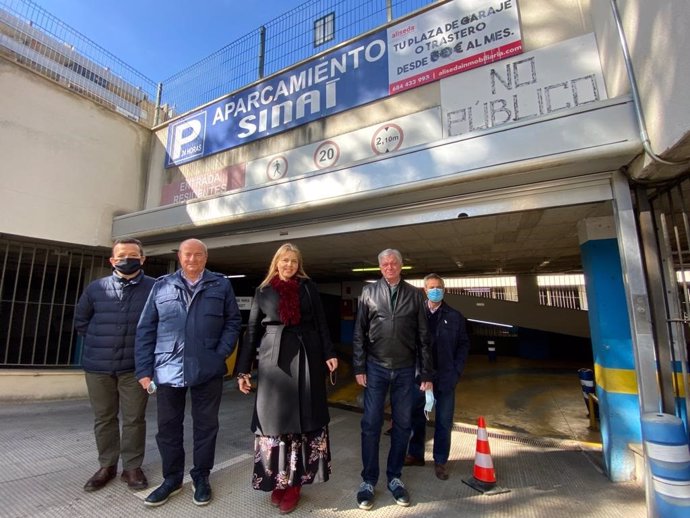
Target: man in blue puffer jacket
(188, 328)
(106, 317)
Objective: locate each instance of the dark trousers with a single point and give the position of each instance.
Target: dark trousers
(205, 400)
(401, 384)
(110, 395)
(443, 425)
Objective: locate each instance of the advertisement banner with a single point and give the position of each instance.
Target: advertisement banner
(450, 39)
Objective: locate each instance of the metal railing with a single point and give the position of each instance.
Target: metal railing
(38, 40)
(565, 291)
(560, 291)
(497, 288)
(667, 257)
(40, 285)
(563, 297)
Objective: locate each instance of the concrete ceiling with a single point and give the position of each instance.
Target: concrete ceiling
(535, 241)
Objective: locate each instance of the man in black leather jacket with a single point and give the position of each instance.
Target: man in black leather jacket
(390, 334)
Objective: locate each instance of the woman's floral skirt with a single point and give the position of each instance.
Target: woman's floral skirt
(292, 459)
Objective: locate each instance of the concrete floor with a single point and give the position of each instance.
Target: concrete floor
(48, 453)
(535, 397)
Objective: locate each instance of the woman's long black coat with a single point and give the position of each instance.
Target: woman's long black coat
(291, 393)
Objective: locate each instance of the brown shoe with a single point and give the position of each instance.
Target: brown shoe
(100, 478)
(441, 471)
(135, 478)
(413, 461)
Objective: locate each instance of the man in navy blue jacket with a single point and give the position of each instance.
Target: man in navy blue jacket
(106, 317)
(450, 346)
(189, 326)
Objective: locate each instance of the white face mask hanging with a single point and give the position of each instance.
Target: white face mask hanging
(429, 405)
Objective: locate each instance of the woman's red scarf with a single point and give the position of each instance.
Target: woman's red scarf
(288, 300)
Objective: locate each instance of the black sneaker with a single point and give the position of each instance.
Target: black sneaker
(365, 496)
(397, 488)
(202, 491)
(162, 494)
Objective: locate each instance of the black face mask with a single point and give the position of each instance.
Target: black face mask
(128, 266)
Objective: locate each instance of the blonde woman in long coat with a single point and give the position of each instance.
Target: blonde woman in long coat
(288, 326)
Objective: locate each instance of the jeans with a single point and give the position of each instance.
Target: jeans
(401, 384)
(443, 425)
(205, 405)
(112, 396)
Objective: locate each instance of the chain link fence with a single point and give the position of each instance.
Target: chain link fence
(312, 28)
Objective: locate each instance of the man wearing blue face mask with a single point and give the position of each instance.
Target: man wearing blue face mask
(106, 317)
(450, 346)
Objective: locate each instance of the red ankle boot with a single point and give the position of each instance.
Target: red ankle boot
(290, 500)
(277, 496)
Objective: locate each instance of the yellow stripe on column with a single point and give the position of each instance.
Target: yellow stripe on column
(680, 386)
(618, 381)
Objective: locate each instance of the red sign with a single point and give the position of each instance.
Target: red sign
(217, 182)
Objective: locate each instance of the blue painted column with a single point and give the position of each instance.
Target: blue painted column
(614, 364)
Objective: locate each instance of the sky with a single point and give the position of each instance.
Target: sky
(158, 38)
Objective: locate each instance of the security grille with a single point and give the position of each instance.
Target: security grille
(40, 285)
(664, 219)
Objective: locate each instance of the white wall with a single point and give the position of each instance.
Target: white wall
(68, 165)
(658, 40)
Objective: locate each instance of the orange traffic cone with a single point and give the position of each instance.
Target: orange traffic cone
(484, 479)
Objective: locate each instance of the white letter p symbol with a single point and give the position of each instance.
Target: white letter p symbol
(179, 140)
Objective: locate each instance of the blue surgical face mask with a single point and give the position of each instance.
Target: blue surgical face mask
(429, 402)
(435, 294)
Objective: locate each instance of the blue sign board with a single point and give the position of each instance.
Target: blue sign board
(340, 80)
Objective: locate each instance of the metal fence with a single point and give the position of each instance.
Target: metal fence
(497, 288)
(664, 220)
(38, 40)
(277, 45)
(40, 285)
(563, 291)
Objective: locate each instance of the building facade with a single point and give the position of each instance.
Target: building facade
(511, 136)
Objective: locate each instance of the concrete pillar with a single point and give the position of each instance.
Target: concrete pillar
(528, 289)
(532, 344)
(614, 361)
